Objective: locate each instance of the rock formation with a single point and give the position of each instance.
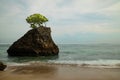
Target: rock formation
(2, 66)
(36, 42)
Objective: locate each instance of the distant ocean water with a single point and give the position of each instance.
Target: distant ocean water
(80, 54)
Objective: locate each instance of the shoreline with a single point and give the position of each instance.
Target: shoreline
(90, 64)
(43, 71)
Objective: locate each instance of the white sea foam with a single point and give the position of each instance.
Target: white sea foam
(17, 64)
(94, 63)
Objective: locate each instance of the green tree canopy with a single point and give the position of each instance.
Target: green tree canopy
(36, 20)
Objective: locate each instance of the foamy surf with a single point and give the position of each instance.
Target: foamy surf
(92, 64)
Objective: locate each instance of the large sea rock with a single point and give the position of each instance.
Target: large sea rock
(36, 42)
(2, 66)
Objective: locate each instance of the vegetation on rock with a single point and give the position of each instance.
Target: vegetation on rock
(36, 20)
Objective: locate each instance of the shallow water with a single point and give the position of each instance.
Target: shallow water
(92, 54)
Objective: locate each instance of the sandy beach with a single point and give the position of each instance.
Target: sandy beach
(58, 72)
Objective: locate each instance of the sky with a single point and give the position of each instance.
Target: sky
(71, 21)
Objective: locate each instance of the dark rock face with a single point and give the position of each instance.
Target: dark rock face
(36, 42)
(2, 66)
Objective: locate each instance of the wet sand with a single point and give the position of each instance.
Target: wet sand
(58, 72)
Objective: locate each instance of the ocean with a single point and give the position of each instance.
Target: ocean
(105, 55)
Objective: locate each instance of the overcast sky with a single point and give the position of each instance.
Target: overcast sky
(71, 21)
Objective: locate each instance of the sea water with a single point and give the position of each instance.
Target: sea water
(87, 54)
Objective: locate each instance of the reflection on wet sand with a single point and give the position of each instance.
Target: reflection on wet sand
(36, 69)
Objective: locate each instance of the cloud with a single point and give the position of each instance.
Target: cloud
(112, 10)
(85, 28)
(66, 17)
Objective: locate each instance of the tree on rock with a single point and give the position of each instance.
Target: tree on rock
(36, 20)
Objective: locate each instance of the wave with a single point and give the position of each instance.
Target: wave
(93, 64)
